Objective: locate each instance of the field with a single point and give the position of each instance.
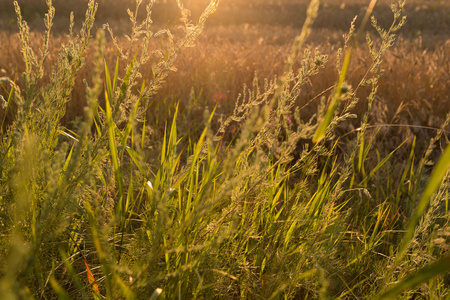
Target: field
(258, 149)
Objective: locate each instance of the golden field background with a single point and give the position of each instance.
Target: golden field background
(245, 38)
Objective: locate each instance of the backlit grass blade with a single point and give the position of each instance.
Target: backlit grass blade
(116, 74)
(113, 153)
(160, 174)
(129, 200)
(168, 160)
(66, 165)
(68, 133)
(97, 121)
(136, 159)
(126, 291)
(322, 129)
(59, 290)
(439, 267)
(336, 98)
(380, 164)
(193, 170)
(109, 89)
(361, 156)
(381, 217)
(143, 135)
(433, 184)
(405, 171)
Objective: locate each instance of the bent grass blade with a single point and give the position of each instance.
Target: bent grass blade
(322, 129)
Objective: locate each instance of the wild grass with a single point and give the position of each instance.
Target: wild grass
(413, 89)
(161, 193)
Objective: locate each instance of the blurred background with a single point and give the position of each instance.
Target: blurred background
(248, 37)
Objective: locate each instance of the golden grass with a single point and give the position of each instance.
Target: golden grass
(247, 38)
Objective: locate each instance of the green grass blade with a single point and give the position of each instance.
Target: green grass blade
(361, 152)
(426, 273)
(109, 89)
(116, 73)
(380, 164)
(70, 134)
(143, 135)
(66, 166)
(433, 184)
(113, 153)
(136, 159)
(58, 289)
(409, 164)
(129, 198)
(322, 129)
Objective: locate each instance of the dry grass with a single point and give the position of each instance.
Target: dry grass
(245, 38)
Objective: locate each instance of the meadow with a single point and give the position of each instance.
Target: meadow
(265, 149)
